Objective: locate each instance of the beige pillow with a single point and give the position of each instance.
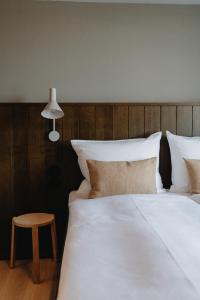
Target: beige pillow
(123, 177)
(193, 167)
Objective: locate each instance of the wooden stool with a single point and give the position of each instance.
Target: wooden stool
(34, 221)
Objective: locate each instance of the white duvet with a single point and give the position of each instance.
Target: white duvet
(132, 247)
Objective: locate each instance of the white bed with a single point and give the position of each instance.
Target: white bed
(133, 247)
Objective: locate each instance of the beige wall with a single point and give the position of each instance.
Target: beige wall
(99, 52)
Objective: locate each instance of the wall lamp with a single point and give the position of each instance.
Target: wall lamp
(53, 111)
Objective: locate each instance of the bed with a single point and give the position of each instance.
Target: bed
(106, 258)
(127, 237)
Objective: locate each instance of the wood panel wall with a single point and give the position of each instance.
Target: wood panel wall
(37, 175)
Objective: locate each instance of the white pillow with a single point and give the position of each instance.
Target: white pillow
(82, 192)
(120, 150)
(182, 147)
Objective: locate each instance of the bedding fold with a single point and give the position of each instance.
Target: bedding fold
(132, 247)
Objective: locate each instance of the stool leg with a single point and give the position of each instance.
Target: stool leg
(12, 252)
(36, 258)
(54, 240)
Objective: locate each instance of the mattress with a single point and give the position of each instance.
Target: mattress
(84, 189)
(132, 247)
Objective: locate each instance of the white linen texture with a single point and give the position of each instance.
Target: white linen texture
(133, 247)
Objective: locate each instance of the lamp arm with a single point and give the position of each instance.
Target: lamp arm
(54, 124)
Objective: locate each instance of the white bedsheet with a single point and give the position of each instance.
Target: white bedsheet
(135, 247)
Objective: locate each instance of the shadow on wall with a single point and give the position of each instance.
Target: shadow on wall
(53, 188)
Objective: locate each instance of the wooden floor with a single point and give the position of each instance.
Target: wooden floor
(16, 284)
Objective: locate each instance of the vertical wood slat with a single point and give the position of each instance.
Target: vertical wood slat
(70, 128)
(20, 158)
(70, 131)
(5, 160)
(6, 177)
(152, 119)
(168, 119)
(136, 121)
(184, 120)
(104, 122)
(87, 122)
(120, 121)
(196, 120)
(36, 158)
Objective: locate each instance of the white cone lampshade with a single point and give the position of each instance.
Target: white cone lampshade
(52, 110)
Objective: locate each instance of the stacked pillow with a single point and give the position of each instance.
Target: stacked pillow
(193, 168)
(127, 151)
(185, 159)
(132, 166)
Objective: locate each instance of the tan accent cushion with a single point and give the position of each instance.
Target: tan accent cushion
(193, 167)
(123, 177)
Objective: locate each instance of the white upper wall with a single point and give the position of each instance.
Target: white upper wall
(99, 52)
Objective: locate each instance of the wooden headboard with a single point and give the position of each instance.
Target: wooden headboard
(37, 175)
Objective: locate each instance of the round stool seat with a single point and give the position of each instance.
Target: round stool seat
(34, 219)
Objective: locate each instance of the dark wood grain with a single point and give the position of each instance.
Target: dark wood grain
(87, 122)
(104, 122)
(136, 121)
(6, 160)
(70, 123)
(70, 169)
(120, 121)
(184, 120)
(6, 176)
(152, 119)
(21, 184)
(36, 159)
(168, 119)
